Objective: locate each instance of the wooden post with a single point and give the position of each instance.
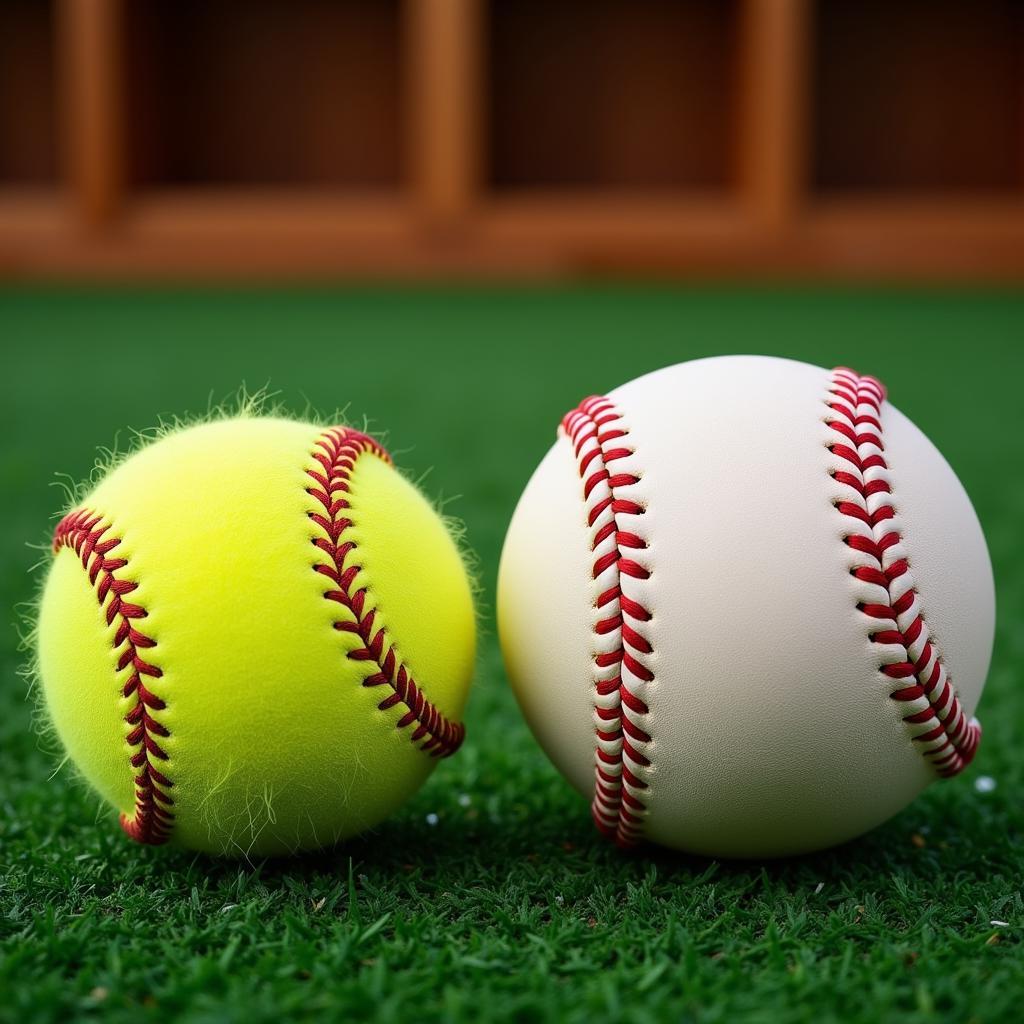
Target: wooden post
(773, 142)
(444, 44)
(90, 69)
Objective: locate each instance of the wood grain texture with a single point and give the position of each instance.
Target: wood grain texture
(444, 58)
(299, 94)
(92, 91)
(28, 128)
(772, 130)
(919, 96)
(339, 139)
(597, 93)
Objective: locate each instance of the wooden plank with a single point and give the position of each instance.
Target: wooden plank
(27, 101)
(268, 217)
(30, 211)
(89, 56)
(576, 221)
(223, 236)
(773, 137)
(951, 217)
(444, 57)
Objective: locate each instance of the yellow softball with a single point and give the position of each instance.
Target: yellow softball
(255, 637)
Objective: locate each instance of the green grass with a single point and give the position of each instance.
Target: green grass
(506, 905)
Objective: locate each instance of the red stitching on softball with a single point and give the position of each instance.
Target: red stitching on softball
(596, 432)
(336, 452)
(947, 739)
(81, 531)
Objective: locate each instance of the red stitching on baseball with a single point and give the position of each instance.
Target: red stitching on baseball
(946, 738)
(596, 432)
(336, 452)
(81, 531)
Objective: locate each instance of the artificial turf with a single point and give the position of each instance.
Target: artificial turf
(490, 896)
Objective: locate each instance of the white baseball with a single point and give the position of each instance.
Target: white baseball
(746, 606)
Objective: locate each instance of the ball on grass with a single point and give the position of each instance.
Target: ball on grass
(255, 637)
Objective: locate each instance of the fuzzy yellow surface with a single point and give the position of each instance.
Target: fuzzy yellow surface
(274, 743)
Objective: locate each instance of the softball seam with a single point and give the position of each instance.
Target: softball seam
(336, 452)
(934, 717)
(622, 675)
(84, 533)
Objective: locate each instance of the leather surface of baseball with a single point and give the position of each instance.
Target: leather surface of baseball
(746, 607)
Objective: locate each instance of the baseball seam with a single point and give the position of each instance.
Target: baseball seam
(622, 675)
(84, 532)
(934, 717)
(335, 452)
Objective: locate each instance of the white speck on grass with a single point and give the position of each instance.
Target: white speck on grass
(818, 888)
(560, 900)
(228, 907)
(432, 819)
(984, 784)
(465, 800)
(1000, 924)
